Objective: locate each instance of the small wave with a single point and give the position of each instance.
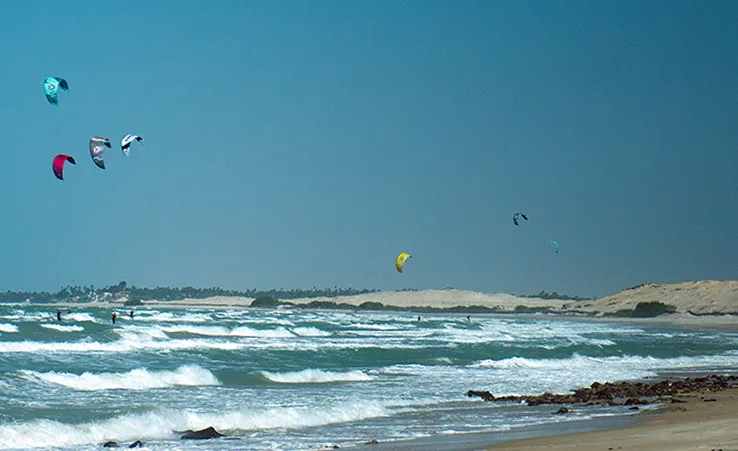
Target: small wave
(62, 328)
(80, 317)
(374, 326)
(245, 331)
(128, 343)
(310, 332)
(168, 317)
(215, 331)
(577, 361)
(314, 376)
(138, 379)
(159, 424)
(8, 328)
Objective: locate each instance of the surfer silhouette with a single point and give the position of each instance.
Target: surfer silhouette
(58, 315)
(114, 316)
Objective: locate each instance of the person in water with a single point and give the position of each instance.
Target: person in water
(58, 315)
(131, 313)
(114, 316)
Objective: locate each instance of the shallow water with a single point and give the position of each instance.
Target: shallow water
(295, 379)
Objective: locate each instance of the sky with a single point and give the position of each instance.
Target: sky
(297, 144)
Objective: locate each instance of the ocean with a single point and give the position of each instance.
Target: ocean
(291, 379)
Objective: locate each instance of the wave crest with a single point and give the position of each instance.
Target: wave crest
(137, 379)
(315, 376)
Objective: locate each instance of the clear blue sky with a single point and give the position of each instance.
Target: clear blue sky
(297, 144)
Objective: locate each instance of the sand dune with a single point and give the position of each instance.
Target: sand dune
(690, 299)
(700, 297)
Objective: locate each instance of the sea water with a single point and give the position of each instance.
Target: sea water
(290, 379)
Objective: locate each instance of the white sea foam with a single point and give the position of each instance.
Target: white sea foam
(160, 424)
(245, 331)
(214, 331)
(310, 332)
(375, 326)
(167, 317)
(80, 317)
(6, 327)
(579, 362)
(137, 379)
(63, 328)
(518, 375)
(269, 320)
(129, 342)
(315, 376)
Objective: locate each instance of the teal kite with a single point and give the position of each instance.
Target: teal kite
(51, 89)
(555, 244)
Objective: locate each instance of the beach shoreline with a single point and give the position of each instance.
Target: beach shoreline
(702, 421)
(699, 420)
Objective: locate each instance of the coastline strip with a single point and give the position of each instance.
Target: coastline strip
(706, 421)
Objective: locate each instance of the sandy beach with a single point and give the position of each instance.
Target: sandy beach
(697, 424)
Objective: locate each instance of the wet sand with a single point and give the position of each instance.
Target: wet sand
(695, 425)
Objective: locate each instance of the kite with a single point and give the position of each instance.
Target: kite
(125, 143)
(97, 144)
(58, 165)
(555, 244)
(517, 216)
(400, 261)
(51, 89)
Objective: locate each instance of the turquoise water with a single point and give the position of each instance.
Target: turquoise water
(295, 379)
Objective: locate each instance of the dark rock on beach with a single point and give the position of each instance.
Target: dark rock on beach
(562, 411)
(487, 396)
(202, 434)
(136, 444)
(110, 444)
(622, 393)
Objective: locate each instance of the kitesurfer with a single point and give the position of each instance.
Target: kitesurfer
(114, 316)
(131, 313)
(58, 315)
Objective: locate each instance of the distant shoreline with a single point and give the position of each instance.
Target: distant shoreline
(704, 304)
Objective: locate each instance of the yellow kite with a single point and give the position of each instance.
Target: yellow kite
(400, 262)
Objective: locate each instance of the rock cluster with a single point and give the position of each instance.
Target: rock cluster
(621, 393)
(202, 434)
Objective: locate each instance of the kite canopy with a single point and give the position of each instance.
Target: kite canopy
(97, 144)
(517, 216)
(400, 261)
(58, 165)
(51, 89)
(125, 143)
(555, 244)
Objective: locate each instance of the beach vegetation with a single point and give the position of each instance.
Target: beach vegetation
(265, 301)
(80, 293)
(554, 295)
(526, 309)
(645, 310)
